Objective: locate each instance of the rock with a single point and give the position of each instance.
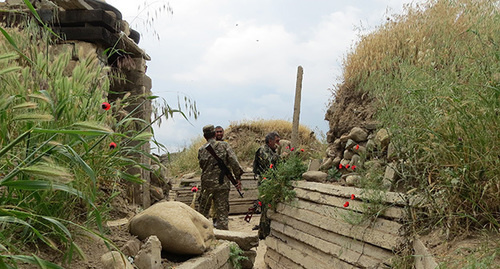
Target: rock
(115, 260)
(390, 176)
(327, 164)
(314, 165)
(248, 264)
(352, 180)
(382, 139)
(245, 240)
(131, 247)
(336, 161)
(348, 154)
(355, 160)
(350, 144)
(179, 228)
(344, 138)
(149, 257)
(315, 176)
(357, 134)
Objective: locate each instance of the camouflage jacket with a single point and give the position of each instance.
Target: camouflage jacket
(210, 169)
(264, 157)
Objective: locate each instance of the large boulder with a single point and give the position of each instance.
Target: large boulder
(179, 228)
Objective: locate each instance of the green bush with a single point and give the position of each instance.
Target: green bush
(277, 182)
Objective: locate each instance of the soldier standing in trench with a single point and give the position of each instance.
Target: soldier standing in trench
(264, 157)
(211, 188)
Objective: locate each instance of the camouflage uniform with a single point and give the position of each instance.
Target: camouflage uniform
(264, 157)
(211, 190)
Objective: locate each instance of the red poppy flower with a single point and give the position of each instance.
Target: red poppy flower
(194, 189)
(347, 166)
(353, 167)
(292, 149)
(269, 205)
(346, 204)
(353, 197)
(357, 147)
(340, 166)
(302, 150)
(287, 147)
(260, 203)
(271, 166)
(112, 145)
(264, 178)
(106, 106)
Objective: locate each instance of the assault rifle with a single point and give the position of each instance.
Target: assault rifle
(252, 210)
(224, 170)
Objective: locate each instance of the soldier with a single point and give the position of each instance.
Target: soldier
(219, 133)
(264, 157)
(211, 188)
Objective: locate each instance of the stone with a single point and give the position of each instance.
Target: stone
(180, 229)
(245, 240)
(315, 176)
(357, 134)
(314, 165)
(248, 263)
(382, 139)
(149, 257)
(344, 138)
(115, 260)
(327, 164)
(350, 144)
(215, 259)
(131, 247)
(355, 160)
(348, 154)
(352, 180)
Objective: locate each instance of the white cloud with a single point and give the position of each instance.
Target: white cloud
(238, 59)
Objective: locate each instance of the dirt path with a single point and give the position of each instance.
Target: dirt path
(238, 223)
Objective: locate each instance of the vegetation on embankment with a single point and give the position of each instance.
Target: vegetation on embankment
(64, 150)
(434, 75)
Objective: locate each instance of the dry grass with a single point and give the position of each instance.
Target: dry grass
(245, 138)
(434, 72)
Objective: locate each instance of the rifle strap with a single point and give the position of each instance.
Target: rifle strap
(222, 174)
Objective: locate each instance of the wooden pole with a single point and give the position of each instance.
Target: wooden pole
(296, 108)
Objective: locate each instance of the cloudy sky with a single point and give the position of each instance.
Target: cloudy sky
(238, 59)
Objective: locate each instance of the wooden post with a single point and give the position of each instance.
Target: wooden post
(296, 108)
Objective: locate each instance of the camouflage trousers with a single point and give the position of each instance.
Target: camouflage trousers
(264, 224)
(220, 199)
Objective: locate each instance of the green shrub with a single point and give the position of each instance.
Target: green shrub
(277, 182)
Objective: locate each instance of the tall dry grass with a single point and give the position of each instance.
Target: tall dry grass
(435, 73)
(245, 138)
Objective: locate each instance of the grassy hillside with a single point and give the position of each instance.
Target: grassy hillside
(245, 138)
(433, 75)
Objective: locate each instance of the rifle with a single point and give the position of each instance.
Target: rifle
(224, 170)
(251, 211)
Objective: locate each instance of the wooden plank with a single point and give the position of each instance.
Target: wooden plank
(299, 256)
(358, 232)
(342, 191)
(277, 261)
(327, 260)
(347, 249)
(342, 215)
(357, 205)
